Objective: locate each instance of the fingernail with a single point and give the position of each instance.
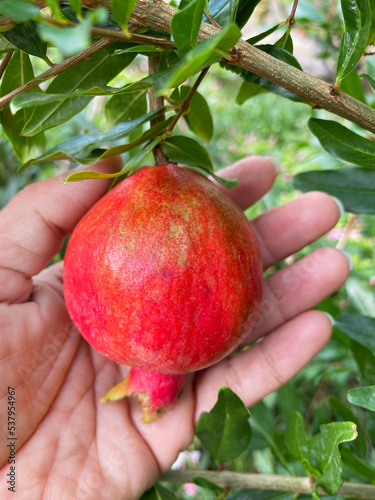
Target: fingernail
(349, 259)
(339, 204)
(276, 164)
(331, 318)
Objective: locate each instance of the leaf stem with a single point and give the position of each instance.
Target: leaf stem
(156, 103)
(4, 62)
(210, 17)
(186, 102)
(273, 482)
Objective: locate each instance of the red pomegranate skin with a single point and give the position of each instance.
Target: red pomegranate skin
(164, 272)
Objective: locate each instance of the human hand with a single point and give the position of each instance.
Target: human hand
(70, 446)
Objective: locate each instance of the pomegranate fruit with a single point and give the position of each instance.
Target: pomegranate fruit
(163, 274)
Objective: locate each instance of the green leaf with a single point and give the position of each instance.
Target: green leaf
(263, 83)
(257, 38)
(355, 187)
(362, 298)
(124, 107)
(343, 143)
(351, 84)
(365, 360)
(362, 396)
(18, 72)
(225, 431)
(121, 11)
(370, 80)
(209, 485)
(343, 412)
(158, 492)
(32, 99)
(69, 40)
(54, 6)
(245, 9)
(76, 5)
(248, 90)
(128, 167)
(149, 50)
(185, 25)
(357, 19)
(186, 150)
(223, 11)
(207, 52)
(84, 144)
(98, 70)
(325, 446)
(357, 465)
(26, 38)
(19, 11)
(199, 117)
(359, 328)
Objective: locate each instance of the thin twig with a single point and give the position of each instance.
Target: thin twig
(273, 482)
(186, 102)
(292, 14)
(4, 62)
(56, 70)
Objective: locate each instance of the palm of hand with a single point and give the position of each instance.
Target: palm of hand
(69, 445)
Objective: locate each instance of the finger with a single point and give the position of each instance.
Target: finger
(284, 230)
(268, 364)
(300, 287)
(34, 224)
(255, 177)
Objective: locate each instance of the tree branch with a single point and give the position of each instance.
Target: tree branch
(157, 14)
(229, 479)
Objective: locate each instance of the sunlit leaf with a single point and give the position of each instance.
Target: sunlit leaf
(341, 142)
(325, 447)
(84, 144)
(204, 54)
(357, 18)
(70, 40)
(121, 11)
(96, 71)
(19, 11)
(225, 431)
(362, 396)
(185, 25)
(32, 99)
